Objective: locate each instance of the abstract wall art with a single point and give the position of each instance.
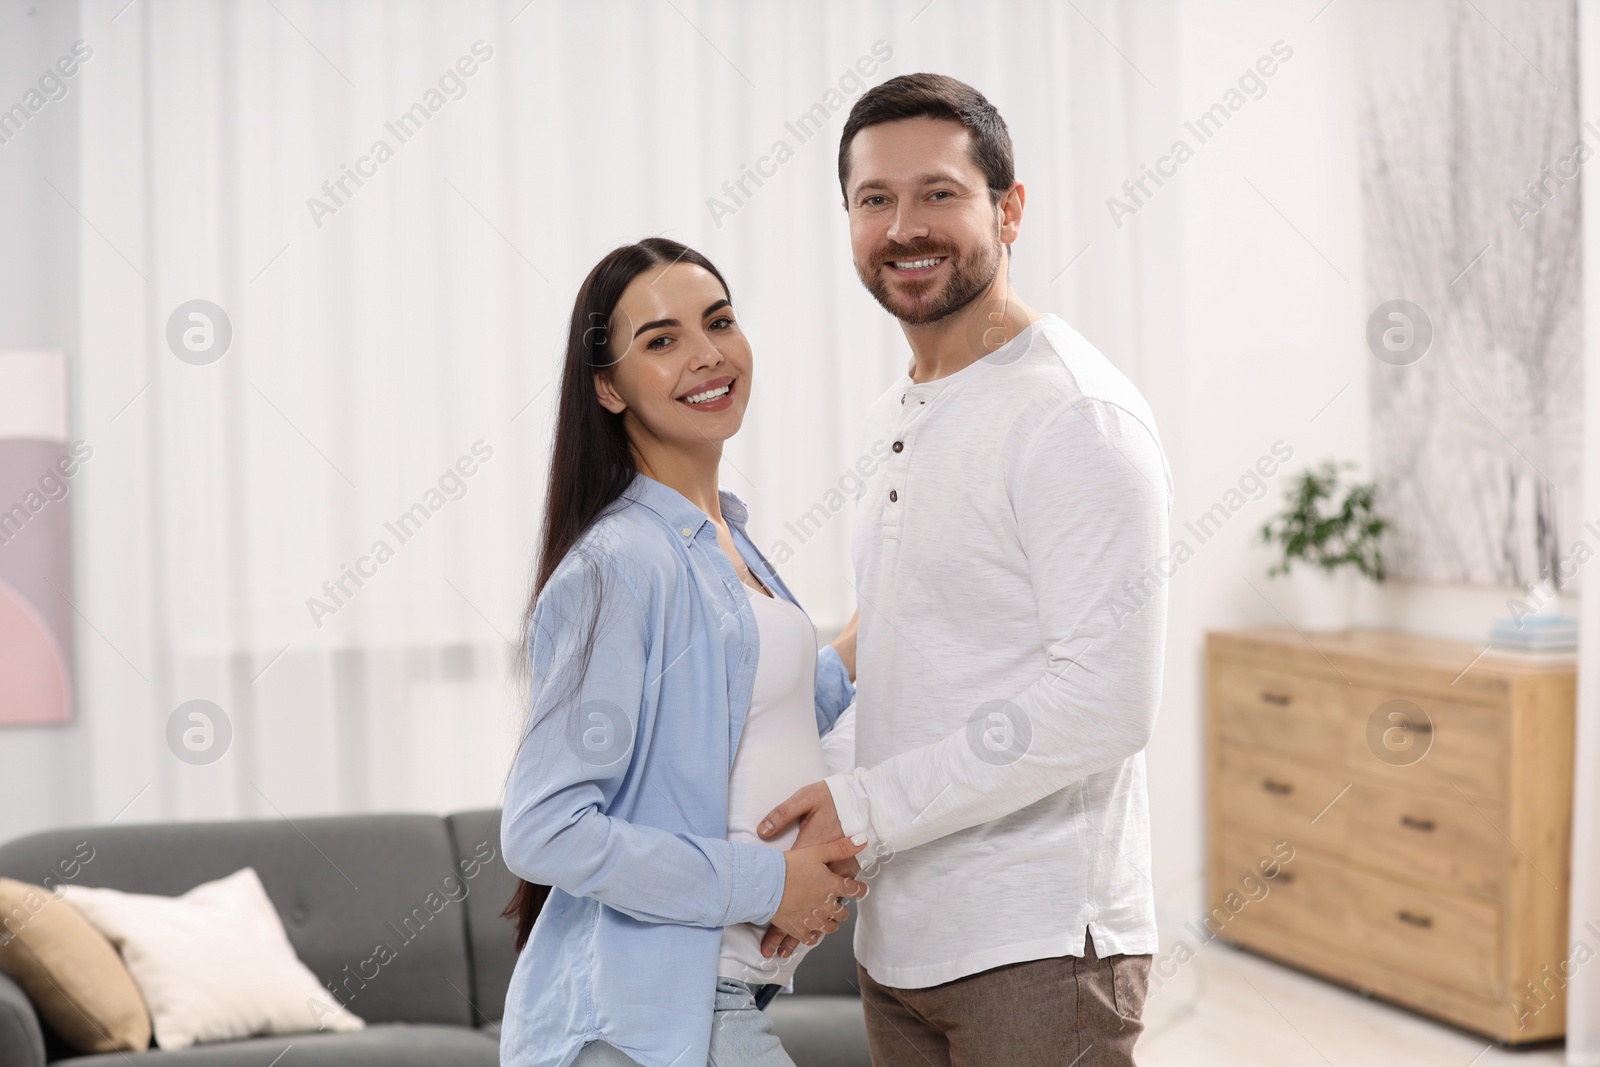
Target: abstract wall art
(37, 469)
(1471, 153)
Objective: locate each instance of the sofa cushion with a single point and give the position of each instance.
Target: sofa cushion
(371, 903)
(829, 968)
(214, 963)
(69, 970)
(820, 1031)
(491, 940)
(388, 1045)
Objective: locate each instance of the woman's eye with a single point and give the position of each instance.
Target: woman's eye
(656, 342)
(721, 323)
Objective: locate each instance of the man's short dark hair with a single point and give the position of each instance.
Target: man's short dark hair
(937, 96)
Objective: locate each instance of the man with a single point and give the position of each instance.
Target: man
(1012, 626)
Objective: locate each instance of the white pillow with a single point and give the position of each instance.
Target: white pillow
(213, 964)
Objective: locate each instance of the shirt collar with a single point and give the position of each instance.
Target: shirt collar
(1006, 354)
(675, 508)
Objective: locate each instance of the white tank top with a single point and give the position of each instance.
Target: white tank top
(779, 751)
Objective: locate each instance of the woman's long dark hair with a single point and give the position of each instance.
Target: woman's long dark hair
(591, 462)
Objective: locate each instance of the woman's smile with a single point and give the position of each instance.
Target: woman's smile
(715, 394)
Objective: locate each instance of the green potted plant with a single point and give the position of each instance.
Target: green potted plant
(1327, 539)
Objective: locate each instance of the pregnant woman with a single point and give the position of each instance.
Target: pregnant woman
(677, 696)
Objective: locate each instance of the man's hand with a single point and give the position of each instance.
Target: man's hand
(819, 824)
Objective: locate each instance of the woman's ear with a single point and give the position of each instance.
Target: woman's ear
(610, 399)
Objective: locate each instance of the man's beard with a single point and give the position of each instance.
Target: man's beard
(970, 277)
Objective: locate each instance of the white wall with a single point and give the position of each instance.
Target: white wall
(1258, 333)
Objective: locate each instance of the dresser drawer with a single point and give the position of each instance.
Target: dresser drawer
(1305, 898)
(1279, 797)
(1434, 838)
(1454, 749)
(1448, 938)
(1259, 708)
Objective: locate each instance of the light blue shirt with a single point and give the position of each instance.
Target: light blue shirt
(618, 797)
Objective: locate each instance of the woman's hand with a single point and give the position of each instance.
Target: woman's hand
(812, 904)
(845, 644)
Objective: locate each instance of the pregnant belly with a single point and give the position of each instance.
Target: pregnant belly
(775, 758)
(779, 752)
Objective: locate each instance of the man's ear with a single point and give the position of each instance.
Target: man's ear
(610, 399)
(1011, 212)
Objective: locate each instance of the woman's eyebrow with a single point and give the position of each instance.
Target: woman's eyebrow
(654, 323)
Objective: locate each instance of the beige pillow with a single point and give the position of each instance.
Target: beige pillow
(70, 971)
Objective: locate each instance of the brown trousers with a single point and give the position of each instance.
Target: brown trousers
(1068, 1011)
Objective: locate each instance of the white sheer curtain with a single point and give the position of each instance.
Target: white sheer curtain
(379, 337)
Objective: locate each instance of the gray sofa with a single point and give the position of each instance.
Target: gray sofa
(344, 884)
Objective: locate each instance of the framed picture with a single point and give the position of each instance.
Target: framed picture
(1471, 147)
(37, 468)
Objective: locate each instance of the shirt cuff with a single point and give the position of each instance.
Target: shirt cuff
(758, 877)
(850, 804)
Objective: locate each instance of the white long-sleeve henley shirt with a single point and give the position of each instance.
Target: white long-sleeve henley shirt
(1010, 561)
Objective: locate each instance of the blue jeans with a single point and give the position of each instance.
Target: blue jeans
(741, 1035)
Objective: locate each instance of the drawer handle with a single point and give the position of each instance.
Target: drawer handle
(1426, 826)
(1280, 699)
(1282, 789)
(1413, 919)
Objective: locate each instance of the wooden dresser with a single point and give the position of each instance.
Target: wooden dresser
(1427, 808)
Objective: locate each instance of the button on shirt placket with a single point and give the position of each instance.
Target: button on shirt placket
(894, 486)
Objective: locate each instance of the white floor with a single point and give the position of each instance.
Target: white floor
(1229, 1007)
